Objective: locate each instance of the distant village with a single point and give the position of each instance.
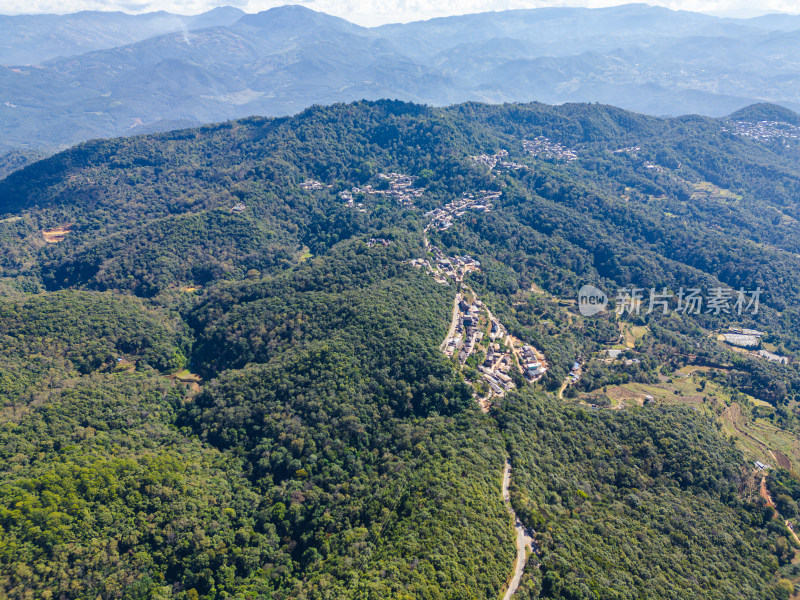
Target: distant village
(498, 161)
(542, 147)
(766, 131)
(397, 186)
(475, 329)
(446, 268)
(630, 150)
(313, 184)
(454, 267)
(442, 218)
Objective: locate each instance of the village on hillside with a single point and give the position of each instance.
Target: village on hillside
(766, 131)
(313, 184)
(481, 201)
(396, 186)
(542, 147)
(476, 337)
(498, 161)
(476, 332)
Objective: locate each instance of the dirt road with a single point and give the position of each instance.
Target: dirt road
(791, 528)
(768, 499)
(765, 492)
(524, 539)
(453, 323)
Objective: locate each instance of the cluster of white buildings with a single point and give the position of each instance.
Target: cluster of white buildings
(467, 334)
(473, 322)
(447, 267)
(574, 373)
(495, 370)
(497, 330)
(422, 263)
(313, 184)
(544, 148)
(498, 161)
(481, 201)
(470, 331)
(766, 131)
(349, 199)
(454, 267)
(397, 186)
(468, 328)
(651, 166)
(631, 150)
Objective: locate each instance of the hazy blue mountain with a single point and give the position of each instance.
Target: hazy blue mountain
(32, 39)
(558, 31)
(277, 62)
(777, 22)
(225, 64)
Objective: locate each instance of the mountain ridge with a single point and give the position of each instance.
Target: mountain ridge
(32, 39)
(236, 330)
(287, 58)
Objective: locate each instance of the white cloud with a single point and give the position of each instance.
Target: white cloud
(382, 11)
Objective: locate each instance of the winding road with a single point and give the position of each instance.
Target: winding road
(524, 539)
(453, 323)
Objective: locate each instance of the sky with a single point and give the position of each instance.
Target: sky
(390, 11)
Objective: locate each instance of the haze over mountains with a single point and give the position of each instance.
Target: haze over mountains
(160, 71)
(31, 39)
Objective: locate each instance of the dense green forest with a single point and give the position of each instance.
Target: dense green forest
(221, 373)
(638, 505)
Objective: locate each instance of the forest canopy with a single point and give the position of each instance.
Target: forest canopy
(222, 372)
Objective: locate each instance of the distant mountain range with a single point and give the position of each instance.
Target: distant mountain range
(32, 39)
(133, 74)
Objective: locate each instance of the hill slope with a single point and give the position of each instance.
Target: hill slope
(225, 374)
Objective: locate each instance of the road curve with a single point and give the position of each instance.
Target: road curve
(524, 539)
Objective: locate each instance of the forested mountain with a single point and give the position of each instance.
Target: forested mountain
(116, 74)
(223, 372)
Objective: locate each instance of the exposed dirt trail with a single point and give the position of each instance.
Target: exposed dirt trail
(790, 528)
(524, 539)
(764, 492)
